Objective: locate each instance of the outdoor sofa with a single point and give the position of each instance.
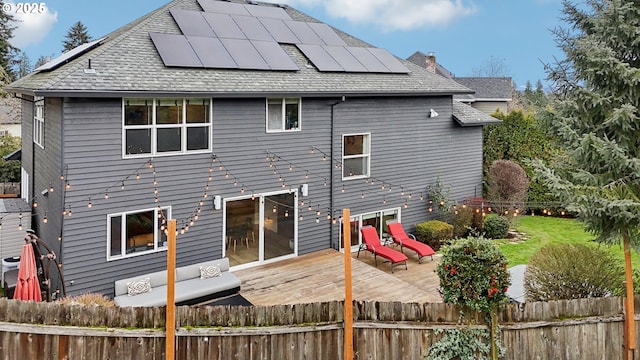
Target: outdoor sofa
(193, 284)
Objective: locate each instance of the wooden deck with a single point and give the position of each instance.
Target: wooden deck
(319, 276)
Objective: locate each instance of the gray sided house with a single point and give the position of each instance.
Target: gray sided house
(253, 125)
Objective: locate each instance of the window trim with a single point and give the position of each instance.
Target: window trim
(183, 126)
(367, 155)
(123, 249)
(38, 122)
(284, 109)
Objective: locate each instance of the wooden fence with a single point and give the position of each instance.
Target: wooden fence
(576, 329)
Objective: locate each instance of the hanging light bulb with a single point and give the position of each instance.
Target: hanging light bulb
(137, 175)
(67, 185)
(301, 217)
(195, 217)
(20, 216)
(421, 197)
(44, 219)
(342, 188)
(50, 187)
(106, 195)
(35, 204)
(20, 226)
(122, 186)
(362, 195)
(384, 199)
(275, 209)
(317, 219)
(286, 213)
(64, 211)
(329, 216)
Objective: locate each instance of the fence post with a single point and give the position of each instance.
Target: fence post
(348, 296)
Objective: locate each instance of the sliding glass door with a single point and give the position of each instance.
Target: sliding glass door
(376, 219)
(260, 228)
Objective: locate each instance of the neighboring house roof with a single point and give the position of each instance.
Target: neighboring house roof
(466, 115)
(488, 88)
(485, 88)
(127, 63)
(420, 59)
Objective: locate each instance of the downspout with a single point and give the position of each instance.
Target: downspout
(332, 187)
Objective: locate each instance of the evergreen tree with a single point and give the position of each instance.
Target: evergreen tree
(596, 118)
(24, 65)
(77, 35)
(8, 52)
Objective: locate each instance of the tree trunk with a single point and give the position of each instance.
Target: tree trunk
(629, 318)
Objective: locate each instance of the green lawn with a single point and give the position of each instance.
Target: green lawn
(544, 230)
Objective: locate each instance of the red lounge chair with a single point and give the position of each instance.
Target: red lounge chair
(372, 243)
(401, 238)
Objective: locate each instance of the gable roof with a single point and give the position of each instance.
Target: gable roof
(126, 63)
(488, 88)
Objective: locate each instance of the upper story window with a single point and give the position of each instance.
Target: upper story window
(356, 156)
(283, 114)
(166, 126)
(38, 122)
(136, 232)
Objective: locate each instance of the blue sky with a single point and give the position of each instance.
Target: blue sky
(464, 35)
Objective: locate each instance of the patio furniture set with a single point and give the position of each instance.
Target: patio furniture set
(373, 244)
(193, 284)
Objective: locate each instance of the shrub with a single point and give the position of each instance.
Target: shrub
(89, 299)
(508, 184)
(495, 226)
(572, 271)
(473, 272)
(434, 232)
(462, 222)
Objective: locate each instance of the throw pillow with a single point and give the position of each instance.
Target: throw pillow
(139, 286)
(210, 271)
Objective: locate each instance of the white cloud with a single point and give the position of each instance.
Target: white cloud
(393, 15)
(31, 27)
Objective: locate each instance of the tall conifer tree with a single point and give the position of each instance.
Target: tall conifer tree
(77, 35)
(8, 52)
(596, 118)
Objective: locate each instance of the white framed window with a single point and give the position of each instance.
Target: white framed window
(356, 156)
(137, 232)
(38, 122)
(166, 126)
(284, 114)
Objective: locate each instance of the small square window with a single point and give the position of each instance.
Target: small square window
(283, 114)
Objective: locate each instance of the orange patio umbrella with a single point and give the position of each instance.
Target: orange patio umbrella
(27, 286)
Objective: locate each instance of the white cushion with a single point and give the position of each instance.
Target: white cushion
(210, 271)
(139, 286)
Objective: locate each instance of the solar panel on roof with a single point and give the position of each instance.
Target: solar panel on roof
(279, 31)
(69, 55)
(192, 23)
(389, 61)
(319, 57)
(271, 12)
(244, 54)
(252, 28)
(175, 50)
(223, 7)
(274, 55)
(367, 59)
(304, 33)
(346, 60)
(211, 52)
(224, 26)
(326, 33)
